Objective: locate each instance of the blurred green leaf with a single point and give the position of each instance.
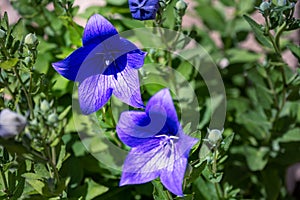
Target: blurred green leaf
(94, 189)
(272, 183)
(204, 189)
(256, 158)
(258, 31)
(292, 135)
(117, 2)
(211, 17)
(8, 64)
(241, 56)
(227, 142)
(159, 193)
(295, 49)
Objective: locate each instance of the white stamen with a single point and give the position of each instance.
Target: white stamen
(107, 62)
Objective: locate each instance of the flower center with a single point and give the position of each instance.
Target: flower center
(168, 141)
(109, 57)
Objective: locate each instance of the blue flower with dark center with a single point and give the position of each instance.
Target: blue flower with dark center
(159, 148)
(106, 64)
(143, 9)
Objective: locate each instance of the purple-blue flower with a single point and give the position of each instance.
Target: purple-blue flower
(106, 64)
(143, 9)
(159, 148)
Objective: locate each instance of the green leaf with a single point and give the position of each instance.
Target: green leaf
(227, 142)
(256, 158)
(33, 176)
(292, 135)
(158, 191)
(242, 56)
(117, 2)
(196, 172)
(211, 17)
(272, 182)
(63, 114)
(204, 189)
(18, 30)
(61, 157)
(94, 189)
(186, 197)
(295, 49)
(8, 64)
(258, 32)
(204, 152)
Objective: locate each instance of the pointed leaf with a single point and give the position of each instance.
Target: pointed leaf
(258, 32)
(8, 64)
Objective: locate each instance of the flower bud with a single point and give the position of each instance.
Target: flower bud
(264, 6)
(11, 123)
(214, 136)
(52, 118)
(31, 40)
(45, 106)
(181, 7)
(2, 34)
(281, 2)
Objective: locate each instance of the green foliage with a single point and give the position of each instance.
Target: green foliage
(261, 136)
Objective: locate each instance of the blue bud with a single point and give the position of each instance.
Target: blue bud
(264, 6)
(281, 2)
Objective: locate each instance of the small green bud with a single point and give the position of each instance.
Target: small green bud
(214, 136)
(27, 60)
(52, 118)
(181, 7)
(2, 34)
(264, 6)
(281, 2)
(45, 106)
(31, 40)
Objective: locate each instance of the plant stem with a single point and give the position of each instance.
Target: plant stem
(7, 85)
(4, 180)
(278, 34)
(214, 170)
(27, 95)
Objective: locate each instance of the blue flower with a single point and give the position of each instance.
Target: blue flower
(106, 64)
(159, 148)
(143, 9)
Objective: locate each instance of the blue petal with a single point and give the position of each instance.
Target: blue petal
(172, 177)
(93, 93)
(126, 87)
(137, 128)
(143, 164)
(162, 104)
(97, 30)
(135, 57)
(143, 9)
(69, 67)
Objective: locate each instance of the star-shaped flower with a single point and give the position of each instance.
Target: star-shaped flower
(159, 146)
(143, 9)
(106, 64)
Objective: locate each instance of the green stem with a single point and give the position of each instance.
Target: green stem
(4, 180)
(214, 169)
(7, 86)
(278, 34)
(51, 162)
(270, 83)
(267, 32)
(111, 115)
(27, 95)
